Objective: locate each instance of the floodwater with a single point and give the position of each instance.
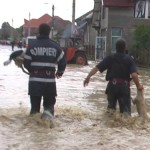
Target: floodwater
(80, 123)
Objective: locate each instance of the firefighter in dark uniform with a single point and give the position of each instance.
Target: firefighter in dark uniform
(121, 68)
(44, 59)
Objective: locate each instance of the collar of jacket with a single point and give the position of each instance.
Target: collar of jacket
(43, 37)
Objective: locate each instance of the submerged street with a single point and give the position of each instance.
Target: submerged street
(80, 123)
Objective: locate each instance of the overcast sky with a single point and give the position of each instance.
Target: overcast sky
(18, 10)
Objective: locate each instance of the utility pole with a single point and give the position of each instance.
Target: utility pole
(53, 8)
(12, 34)
(73, 19)
(29, 30)
(12, 22)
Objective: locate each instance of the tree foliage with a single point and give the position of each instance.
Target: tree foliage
(5, 31)
(5, 25)
(8, 32)
(142, 37)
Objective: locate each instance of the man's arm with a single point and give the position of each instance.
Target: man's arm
(61, 65)
(136, 81)
(27, 60)
(91, 73)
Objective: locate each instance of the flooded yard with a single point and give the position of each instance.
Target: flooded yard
(81, 121)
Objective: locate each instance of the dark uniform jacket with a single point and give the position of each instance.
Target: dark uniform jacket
(118, 66)
(42, 57)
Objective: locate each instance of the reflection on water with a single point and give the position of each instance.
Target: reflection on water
(80, 122)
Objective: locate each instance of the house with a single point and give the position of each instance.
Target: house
(86, 32)
(113, 19)
(84, 26)
(30, 27)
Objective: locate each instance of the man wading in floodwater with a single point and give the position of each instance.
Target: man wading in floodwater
(120, 66)
(41, 59)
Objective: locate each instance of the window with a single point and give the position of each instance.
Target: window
(100, 48)
(103, 12)
(142, 9)
(148, 9)
(115, 34)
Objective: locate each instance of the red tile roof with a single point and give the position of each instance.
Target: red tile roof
(36, 22)
(59, 23)
(118, 3)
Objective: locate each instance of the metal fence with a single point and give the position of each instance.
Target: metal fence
(143, 58)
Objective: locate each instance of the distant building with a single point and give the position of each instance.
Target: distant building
(30, 27)
(113, 19)
(86, 31)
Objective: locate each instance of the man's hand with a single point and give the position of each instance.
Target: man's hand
(59, 74)
(86, 81)
(140, 87)
(91, 73)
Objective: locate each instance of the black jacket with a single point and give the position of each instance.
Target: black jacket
(118, 65)
(42, 57)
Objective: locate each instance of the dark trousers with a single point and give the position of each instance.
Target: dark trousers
(48, 103)
(119, 92)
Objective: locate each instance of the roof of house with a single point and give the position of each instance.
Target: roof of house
(87, 15)
(118, 3)
(36, 22)
(59, 23)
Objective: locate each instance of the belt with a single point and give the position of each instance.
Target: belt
(43, 72)
(117, 81)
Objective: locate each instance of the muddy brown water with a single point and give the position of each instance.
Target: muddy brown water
(80, 123)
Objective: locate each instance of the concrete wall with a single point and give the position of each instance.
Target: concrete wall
(121, 18)
(89, 36)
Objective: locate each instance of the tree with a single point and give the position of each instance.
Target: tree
(8, 32)
(20, 31)
(5, 25)
(5, 31)
(142, 37)
(141, 50)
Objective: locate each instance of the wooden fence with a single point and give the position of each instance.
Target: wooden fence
(90, 52)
